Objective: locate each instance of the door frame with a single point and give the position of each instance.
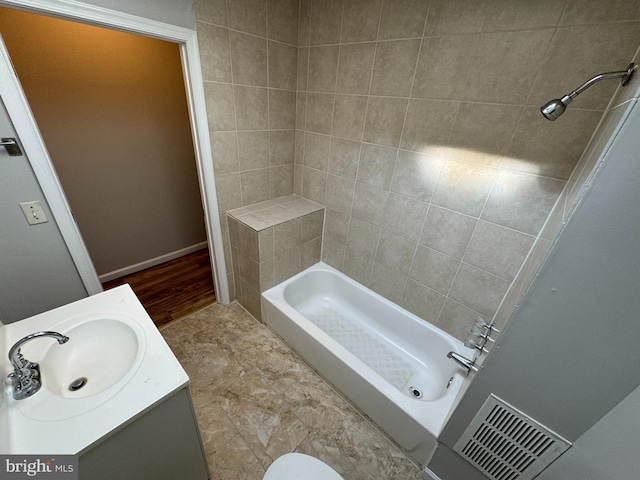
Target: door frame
(42, 165)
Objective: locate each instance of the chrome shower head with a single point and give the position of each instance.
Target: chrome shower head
(556, 107)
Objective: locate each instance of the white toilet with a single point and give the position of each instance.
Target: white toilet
(294, 466)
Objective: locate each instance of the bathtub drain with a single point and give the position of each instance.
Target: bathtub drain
(415, 392)
(77, 384)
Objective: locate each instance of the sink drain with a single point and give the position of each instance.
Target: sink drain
(415, 392)
(77, 384)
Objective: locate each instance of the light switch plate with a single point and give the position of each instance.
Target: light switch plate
(33, 212)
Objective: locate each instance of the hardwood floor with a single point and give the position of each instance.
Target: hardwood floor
(173, 289)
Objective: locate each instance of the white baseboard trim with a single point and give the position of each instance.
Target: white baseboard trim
(152, 262)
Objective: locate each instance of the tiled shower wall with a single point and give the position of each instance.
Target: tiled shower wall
(418, 126)
(416, 123)
(248, 50)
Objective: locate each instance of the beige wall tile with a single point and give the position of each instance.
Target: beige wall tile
(265, 244)
(286, 236)
(336, 226)
(579, 12)
(363, 238)
(464, 187)
(316, 151)
(395, 252)
(478, 290)
(248, 59)
(521, 15)
(343, 158)
(451, 17)
(256, 186)
(444, 66)
(482, 132)
(394, 67)
(355, 66)
(281, 147)
(323, 68)
(384, 120)
(281, 180)
(251, 106)
(249, 271)
(282, 20)
(358, 267)
(422, 301)
(402, 19)
(228, 191)
(219, 104)
(267, 275)
(505, 65)
(404, 216)
(253, 150)
(314, 185)
(213, 43)
(302, 69)
(547, 148)
(248, 16)
(311, 226)
(310, 253)
(376, 165)
(456, 319)
(387, 282)
(304, 23)
(319, 112)
(224, 149)
(360, 20)
(415, 175)
(282, 109)
(447, 231)
(579, 53)
(339, 194)
(369, 203)
(435, 269)
(521, 201)
(428, 125)
(287, 264)
(211, 11)
(333, 253)
(283, 62)
(348, 116)
(490, 242)
(301, 110)
(326, 22)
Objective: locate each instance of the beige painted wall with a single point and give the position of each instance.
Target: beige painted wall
(112, 110)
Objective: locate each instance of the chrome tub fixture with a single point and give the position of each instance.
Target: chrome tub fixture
(480, 335)
(556, 107)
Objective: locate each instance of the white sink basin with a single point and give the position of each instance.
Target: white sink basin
(99, 354)
(114, 345)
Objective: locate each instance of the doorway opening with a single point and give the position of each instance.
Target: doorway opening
(106, 187)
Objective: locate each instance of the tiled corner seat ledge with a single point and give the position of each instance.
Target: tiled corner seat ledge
(270, 242)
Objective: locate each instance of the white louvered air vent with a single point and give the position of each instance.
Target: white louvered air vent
(505, 444)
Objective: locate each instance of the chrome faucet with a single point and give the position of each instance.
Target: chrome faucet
(26, 375)
(464, 362)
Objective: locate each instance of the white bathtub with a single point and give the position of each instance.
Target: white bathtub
(377, 354)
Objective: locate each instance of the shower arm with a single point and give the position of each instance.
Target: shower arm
(625, 75)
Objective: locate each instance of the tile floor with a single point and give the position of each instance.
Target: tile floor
(255, 400)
